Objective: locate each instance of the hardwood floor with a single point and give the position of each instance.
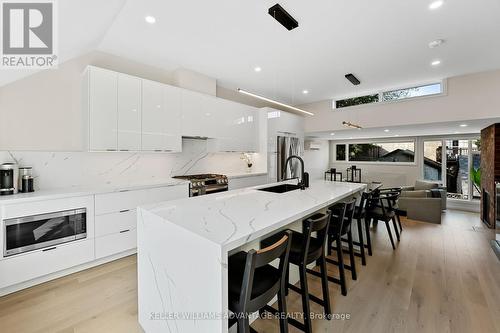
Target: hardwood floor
(441, 278)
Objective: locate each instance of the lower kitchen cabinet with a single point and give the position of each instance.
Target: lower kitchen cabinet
(30, 265)
(108, 245)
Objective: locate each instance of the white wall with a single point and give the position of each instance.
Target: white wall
(317, 161)
(81, 169)
(468, 97)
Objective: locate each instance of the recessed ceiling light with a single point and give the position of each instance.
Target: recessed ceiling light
(150, 19)
(305, 91)
(332, 133)
(257, 69)
(436, 43)
(351, 138)
(456, 132)
(396, 135)
(386, 130)
(463, 125)
(436, 4)
(436, 63)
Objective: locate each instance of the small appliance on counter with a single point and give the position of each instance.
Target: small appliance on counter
(26, 180)
(9, 178)
(205, 184)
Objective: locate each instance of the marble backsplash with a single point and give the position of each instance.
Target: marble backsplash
(82, 169)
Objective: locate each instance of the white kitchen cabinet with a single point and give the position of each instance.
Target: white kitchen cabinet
(249, 181)
(31, 265)
(116, 216)
(129, 113)
(102, 101)
(237, 128)
(201, 115)
(161, 117)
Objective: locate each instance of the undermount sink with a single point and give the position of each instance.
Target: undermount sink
(280, 188)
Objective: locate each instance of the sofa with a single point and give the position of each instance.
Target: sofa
(425, 201)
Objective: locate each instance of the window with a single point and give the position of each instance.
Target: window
(357, 101)
(391, 95)
(340, 152)
(428, 90)
(401, 152)
(433, 156)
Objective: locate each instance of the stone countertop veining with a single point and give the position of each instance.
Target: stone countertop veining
(246, 174)
(76, 191)
(231, 219)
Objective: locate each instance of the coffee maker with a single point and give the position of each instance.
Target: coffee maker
(9, 178)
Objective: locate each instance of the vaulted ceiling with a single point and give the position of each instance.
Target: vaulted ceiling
(384, 43)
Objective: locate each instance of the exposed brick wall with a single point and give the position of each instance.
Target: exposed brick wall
(490, 166)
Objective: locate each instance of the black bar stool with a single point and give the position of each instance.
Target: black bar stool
(340, 226)
(305, 250)
(360, 216)
(395, 205)
(381, 209)
(253, 283)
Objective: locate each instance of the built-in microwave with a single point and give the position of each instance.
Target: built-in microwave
(43, 231)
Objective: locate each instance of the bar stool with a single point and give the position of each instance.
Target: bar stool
(253, 283)
(340, 225)
(305, 250)
(380, 209)
(395, 204)
(360, 215)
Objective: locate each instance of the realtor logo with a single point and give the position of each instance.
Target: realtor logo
(28, 34)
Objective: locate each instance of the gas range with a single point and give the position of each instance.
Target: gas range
(205, 184)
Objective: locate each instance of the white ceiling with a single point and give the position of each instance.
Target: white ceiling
(382, 42)
(432, 129)
(81, 26)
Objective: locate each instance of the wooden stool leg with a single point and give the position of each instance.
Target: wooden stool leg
(395, 228)
(352, 260)
(243, 324)
(340, 260)
(305, 299)
(324, 285)
(390, 234)
(368, 236)
(282, 310)
(399, 222)
(362, 243)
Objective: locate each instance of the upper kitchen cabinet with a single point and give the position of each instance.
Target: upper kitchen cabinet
(238, 128)
(161, 117)
(101, 108)
(200, 115)
(129, 113)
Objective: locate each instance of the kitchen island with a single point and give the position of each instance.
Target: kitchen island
(183, 247)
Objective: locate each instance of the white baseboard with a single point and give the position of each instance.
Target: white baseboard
(56, 275)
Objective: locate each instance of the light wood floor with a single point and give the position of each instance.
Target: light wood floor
(441, 278)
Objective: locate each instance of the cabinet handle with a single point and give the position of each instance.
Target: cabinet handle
(123, 190)
(124, 150)
(158, 150)
(110, 149)
(125, 210)
(50, 248)
(124, 231)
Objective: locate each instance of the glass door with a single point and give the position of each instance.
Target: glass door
(457, 169)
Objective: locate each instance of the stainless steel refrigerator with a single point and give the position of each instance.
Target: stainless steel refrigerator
(288, 146)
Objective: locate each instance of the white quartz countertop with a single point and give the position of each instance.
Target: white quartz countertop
(77, 191)
(231, 219)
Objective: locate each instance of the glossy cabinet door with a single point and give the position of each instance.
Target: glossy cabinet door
(172, 99)
(161, 117)
(200, 114)
(102, 109)
(237, 128)
(129, 113)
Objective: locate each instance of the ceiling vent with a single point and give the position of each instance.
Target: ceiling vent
(354, 80)
(282, 16)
